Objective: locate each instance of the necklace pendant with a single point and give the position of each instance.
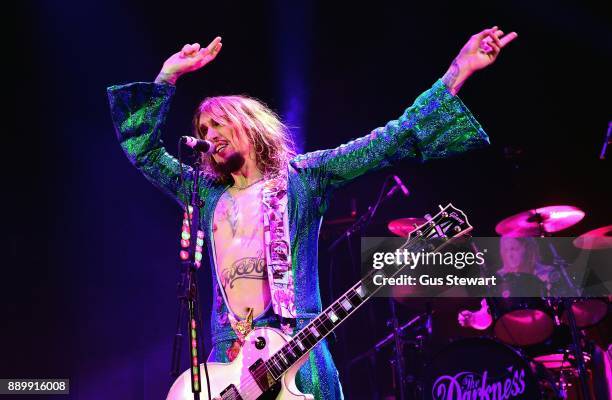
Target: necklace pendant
(244, 327)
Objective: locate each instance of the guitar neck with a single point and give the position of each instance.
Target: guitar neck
(327, 321)
(448, 224)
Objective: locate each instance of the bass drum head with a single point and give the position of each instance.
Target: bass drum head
(479, 368)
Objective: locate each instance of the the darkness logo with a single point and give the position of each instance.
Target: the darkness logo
(473, 386)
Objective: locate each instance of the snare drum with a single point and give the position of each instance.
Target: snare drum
(522, 315)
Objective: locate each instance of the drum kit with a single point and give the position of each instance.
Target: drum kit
(537, 346)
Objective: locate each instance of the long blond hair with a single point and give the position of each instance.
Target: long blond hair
(531, 252)
(271, 139)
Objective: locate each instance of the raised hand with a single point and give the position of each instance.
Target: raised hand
(483, 48)
(480, 51)
(190, 58)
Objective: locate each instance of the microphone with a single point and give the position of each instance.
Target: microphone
(203, 146)
(401, 185)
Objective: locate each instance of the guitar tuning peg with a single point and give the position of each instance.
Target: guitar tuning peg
(440, 207)
(428, 217)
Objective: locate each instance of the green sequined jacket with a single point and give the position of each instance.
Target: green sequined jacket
(436, 125)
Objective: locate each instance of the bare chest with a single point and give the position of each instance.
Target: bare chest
(238, 216)
(239, 250)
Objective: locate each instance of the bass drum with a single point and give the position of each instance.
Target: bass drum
(479, 368)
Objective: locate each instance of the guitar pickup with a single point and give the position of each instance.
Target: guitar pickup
(262, 375)
(231, 392)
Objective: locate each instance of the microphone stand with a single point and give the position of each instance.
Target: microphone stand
(365, 219)
(567, 303)
(187, 290)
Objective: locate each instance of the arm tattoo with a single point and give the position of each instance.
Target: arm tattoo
(450, 77)
(244, 268)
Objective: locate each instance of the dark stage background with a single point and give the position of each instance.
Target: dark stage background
(89, 281)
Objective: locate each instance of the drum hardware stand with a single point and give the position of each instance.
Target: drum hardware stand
(543, 374)
(607, 141)
(537, 217)
(424, 320)
(387, 339)
(359, 226)
(567, 303)
(398, 358)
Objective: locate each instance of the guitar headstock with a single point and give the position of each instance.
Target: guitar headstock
(450, 222)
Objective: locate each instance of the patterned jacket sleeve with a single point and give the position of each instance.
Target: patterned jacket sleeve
(139, 111)
(437, 125)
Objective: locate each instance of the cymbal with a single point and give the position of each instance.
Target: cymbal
(539, 221)
(600, 238)
(403, 226)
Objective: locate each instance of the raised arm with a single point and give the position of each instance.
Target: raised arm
(437, 125)
(139, 111)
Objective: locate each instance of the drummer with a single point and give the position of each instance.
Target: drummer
(519, 255)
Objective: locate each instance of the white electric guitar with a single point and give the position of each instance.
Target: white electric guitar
(267, 364)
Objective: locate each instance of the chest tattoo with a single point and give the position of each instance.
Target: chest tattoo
(231, 213)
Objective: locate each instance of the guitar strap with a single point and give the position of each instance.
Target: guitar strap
(277, 247)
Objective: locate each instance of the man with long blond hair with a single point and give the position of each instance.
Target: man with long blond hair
(264, 204)
(272, 143)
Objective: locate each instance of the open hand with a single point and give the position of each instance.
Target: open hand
(190, 58)
(479, 52)
(483, 48)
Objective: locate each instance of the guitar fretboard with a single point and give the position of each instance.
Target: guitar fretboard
(318, 328)
(446, 225)
(327, 321)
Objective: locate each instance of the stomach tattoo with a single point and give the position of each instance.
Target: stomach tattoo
(244, 268)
